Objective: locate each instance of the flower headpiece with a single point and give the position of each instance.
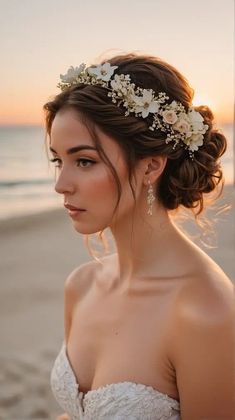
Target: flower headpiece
(181, 127)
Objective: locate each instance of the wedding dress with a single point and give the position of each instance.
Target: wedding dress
(117, 401)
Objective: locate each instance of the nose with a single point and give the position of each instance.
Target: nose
(64, 184)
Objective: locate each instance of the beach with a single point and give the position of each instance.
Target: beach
(37, 254)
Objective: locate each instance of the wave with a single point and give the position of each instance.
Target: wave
(24, 182)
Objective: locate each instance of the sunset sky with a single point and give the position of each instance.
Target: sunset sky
(41, 39)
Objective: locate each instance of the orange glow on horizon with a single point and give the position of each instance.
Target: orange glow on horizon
(30, 112)
(222, 116)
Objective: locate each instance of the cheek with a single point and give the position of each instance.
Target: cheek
(100, 184)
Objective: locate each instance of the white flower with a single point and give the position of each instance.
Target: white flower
(189, 126)
(72, 73)
(194, 141)
(102, 71)
(196, 121)
(205, 128)
(173, 105)
(116, 83)
(169, 116)
(182, 125)
(195, 115)
(146, 103)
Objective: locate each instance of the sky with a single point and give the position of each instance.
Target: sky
(39, 40)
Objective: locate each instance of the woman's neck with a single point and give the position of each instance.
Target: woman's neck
(146, 246)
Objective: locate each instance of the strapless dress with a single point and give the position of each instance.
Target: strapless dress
(116, 401)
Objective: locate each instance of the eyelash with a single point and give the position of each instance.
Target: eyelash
(77, 161)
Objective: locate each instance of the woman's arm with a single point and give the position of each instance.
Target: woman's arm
(75, 286)
(205, 357)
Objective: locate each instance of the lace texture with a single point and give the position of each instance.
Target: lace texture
(117, 401)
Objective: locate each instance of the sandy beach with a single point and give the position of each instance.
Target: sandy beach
(37, 254)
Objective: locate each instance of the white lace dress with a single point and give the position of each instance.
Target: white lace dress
(117, 401)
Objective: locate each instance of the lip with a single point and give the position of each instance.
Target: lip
(72, 208)
(75, 214)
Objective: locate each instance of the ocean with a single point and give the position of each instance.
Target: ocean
(27, 180)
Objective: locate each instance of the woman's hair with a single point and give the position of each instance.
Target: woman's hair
(183, 181)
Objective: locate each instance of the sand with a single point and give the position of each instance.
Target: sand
(37, 253)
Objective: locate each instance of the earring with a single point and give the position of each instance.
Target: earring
(150, 199)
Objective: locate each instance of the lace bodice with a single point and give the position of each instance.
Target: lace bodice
(117, 401)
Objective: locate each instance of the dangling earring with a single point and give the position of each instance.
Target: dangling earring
(150, 199)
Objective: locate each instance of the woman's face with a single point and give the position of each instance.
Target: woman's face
(85, 181)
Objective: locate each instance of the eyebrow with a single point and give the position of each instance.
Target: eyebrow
(75, 149)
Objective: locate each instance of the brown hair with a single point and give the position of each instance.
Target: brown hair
(183, 181)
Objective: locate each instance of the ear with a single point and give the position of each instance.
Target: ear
(154, 166)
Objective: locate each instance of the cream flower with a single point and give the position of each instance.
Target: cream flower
(103, 71)
(146, 103)
(173, 119)
(116, 83)
(173, 105)
(72, 73)
(196, 121)
(195, 141)
(169, 116)
(182, 125)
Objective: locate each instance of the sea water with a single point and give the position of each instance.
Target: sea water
(27, 179)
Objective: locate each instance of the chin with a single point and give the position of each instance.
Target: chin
(88, 230)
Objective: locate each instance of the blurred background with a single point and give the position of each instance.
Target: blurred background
(38, 42)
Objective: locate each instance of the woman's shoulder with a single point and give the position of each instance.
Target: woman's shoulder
(208, 295)
(203, 336)
(204, 280)
(205, 306)
(83, 276)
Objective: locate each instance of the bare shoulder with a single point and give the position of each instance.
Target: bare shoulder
(205, 302)
(78, 284)
(205, 288)
(81, 278)
(207, 296)
(204, 345)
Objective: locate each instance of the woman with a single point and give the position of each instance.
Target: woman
(149, 329)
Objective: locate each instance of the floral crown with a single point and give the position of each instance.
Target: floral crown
(181, 127)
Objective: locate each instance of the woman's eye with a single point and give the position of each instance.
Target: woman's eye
(83, 163)
(56, 160)
(87, 162)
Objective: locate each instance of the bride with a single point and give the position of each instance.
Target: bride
(149, 329)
